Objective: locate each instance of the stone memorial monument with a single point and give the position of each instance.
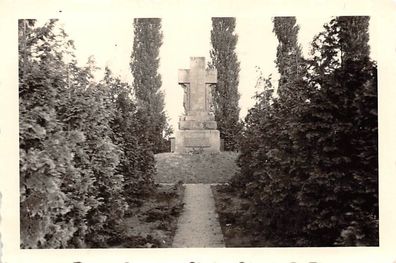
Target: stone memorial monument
(197, 128)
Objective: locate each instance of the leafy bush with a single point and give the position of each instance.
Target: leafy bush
(83, 149)
(309, 162)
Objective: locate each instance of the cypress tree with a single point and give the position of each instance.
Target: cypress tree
(146, 79)
(225, 94)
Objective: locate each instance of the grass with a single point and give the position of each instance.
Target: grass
(204, 168)
(234, 213)
(154, 223)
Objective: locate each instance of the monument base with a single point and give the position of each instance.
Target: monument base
(197, 140)
(198, 125)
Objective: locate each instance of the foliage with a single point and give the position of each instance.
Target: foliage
(343, 134)
(147, 81)
(46, 149)
(74, 179)
(309, 164)
(225, 93)
(137, 161)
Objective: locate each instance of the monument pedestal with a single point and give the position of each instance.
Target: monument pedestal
(197, 140)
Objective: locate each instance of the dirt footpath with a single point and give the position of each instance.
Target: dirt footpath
(198, 225)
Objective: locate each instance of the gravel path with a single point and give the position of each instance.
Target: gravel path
(198, 224)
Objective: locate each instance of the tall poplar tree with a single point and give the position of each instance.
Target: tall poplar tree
(289, 60)
(225, 94)
(146, 79)
(284, 164)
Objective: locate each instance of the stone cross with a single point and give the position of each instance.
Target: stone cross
(197, 128)
(197, 82)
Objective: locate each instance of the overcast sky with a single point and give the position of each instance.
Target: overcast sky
(110, 41)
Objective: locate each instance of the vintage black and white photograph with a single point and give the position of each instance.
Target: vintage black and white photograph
(214, 134)
(257, 149)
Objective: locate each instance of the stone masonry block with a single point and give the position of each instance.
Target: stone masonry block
(190, 140)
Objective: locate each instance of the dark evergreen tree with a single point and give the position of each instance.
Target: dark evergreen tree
(146, 79)
(225, 93)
